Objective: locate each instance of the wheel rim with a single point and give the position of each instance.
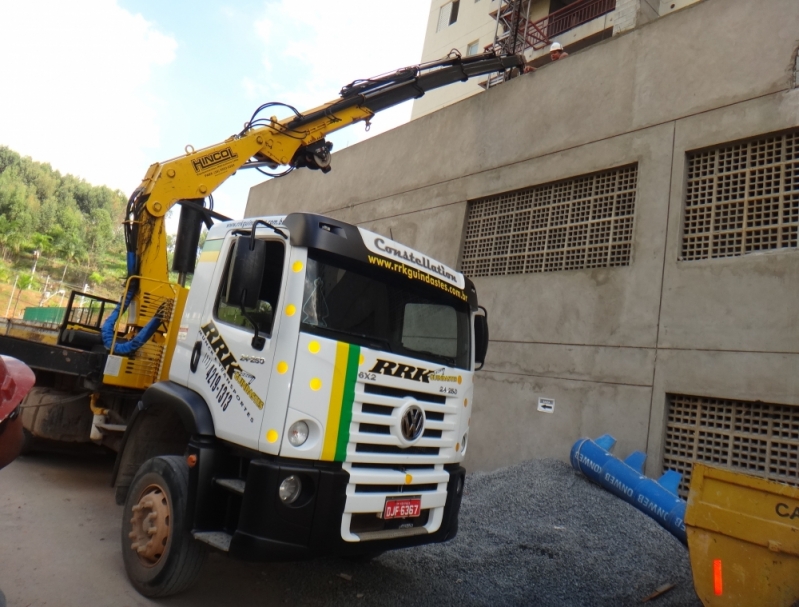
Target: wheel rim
(150, 525)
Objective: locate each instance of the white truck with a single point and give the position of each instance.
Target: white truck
(318, 403)
(310, 394)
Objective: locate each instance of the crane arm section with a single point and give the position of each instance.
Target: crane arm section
(293, 142)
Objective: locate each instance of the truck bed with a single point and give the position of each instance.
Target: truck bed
(49, 357)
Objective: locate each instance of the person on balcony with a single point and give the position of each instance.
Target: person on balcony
(556, 52)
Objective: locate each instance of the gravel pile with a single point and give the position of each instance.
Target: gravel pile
(536, 534)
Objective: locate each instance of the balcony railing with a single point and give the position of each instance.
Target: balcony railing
(540, 33)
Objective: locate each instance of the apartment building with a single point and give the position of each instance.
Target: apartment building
(469, 26)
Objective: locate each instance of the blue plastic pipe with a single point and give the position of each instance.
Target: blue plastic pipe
(625, 479)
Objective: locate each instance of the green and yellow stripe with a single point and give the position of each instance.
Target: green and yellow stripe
(211, 250)
(342, 395)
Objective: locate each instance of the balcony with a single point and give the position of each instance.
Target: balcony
(538, 34)
(565, 19)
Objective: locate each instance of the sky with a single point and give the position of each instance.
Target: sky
(102, 89)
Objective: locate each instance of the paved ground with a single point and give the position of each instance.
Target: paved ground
(59, 546)
(59, 543)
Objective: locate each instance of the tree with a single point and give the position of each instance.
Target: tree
(41, 242)
(70, 248)
(100, 232)
(16, 237)
(25, 282)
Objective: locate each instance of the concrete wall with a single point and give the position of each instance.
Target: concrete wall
(607, 344)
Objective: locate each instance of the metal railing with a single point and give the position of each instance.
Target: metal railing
(541, 32)
(515, 33)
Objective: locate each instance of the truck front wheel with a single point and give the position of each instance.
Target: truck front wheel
(161, 557)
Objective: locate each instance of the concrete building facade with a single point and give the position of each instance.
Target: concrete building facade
(468, 26)
(629, 217)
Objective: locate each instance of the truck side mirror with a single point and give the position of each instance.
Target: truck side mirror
(246, 273)
(480, 338)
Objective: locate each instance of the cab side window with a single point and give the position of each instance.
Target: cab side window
(263, 314)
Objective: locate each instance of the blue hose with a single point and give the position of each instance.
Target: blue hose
(143, 336)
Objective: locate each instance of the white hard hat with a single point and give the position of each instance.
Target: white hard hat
(556, 46)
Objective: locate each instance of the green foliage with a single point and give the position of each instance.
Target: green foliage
(27, 281)
(74, 225)
(5, 272)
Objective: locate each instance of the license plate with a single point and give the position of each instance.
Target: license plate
(402, 507)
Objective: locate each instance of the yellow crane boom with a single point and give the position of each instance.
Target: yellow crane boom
(189, 180)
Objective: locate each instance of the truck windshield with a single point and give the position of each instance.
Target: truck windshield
(353, 302)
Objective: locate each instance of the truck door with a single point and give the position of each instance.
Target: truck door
(229, 367)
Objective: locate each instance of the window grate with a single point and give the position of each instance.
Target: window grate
(742, 198)
(754, 437)
(585, 222)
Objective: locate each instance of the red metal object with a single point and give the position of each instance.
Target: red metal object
(16, 380)
(541, 32)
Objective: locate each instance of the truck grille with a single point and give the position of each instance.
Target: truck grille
(373, 419)
(380, 466)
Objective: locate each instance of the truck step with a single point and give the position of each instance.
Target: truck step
(236, 485)
(218, 539)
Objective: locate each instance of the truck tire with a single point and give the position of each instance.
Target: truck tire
(160, 555)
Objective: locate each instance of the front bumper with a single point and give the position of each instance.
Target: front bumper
(268, 529)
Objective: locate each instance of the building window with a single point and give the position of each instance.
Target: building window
(453, 16)
(754, 437)
(742, 198)
(472, 48)
(585, 222)
(448, 14)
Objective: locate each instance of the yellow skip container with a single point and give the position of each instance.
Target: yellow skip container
(743, 539)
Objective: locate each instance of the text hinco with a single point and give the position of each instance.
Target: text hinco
(212, 159)
(386, 367)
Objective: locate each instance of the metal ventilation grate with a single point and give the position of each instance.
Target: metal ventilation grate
(757, 438)
(586, 222)
(742, 198)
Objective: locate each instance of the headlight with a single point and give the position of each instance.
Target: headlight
(289, 489)
(298, 433)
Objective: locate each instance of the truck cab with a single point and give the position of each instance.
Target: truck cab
(322, 380)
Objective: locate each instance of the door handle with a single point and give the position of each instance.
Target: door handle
(195, 356)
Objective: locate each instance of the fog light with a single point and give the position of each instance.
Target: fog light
(463, 444)
(289, 489)
(298, 433)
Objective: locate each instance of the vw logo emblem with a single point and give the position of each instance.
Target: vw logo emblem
(412, 424)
